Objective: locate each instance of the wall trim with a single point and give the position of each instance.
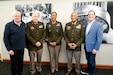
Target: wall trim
(99, 66)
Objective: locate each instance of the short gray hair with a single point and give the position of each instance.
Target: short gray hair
(13, 13)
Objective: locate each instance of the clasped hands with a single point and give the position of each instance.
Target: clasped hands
(53, 43)
(72, 45)
(38, 44)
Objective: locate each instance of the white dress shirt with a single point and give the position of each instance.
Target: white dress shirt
(89, 26)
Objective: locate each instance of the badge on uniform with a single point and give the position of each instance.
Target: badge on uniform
(58, 24)
(32, 28)
(49, 26)
(41, 26)
(68, 27)
(57, 30)
(49, 30)
(78, 27)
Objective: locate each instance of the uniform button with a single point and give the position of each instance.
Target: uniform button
(71, 39)
(53, 35)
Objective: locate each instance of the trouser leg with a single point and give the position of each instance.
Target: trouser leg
(69, 59)
(77, 56)
(20, 63)
(91, 62)
(57, 51)
(17, 62)
(39, 56)
(32, 61)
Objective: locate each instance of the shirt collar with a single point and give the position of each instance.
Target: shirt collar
(91, 22)
(74, 22)
(17, 23)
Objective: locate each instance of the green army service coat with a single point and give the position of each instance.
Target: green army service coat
(54, 32)
(74, 33)
(35, 33)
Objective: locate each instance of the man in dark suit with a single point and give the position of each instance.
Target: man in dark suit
(73, 35)
(14, 39)
(93, 39)
(35, 34)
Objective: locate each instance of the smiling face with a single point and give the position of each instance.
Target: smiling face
(17, 16)
(53, 16)
(91, 15)
(35, 17)
(74, 17)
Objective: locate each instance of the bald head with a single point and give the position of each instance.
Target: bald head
(74, 16)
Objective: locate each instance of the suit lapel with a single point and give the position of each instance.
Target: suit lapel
(91, 28)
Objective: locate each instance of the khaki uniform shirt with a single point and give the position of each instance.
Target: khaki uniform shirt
(54, 32)
(74, 33)
(35, 33)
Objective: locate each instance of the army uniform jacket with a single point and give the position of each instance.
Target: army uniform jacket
(74, 33)
(35, 33)
(54, 32)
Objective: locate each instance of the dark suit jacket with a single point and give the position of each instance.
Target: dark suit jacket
(14, 36)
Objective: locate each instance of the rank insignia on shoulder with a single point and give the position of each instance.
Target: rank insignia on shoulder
(58, 24)
(79, 26)
(68, 27)
(41, 26)
(49, 26)
(32, 28)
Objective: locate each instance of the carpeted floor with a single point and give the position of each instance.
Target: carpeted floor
(5, 70)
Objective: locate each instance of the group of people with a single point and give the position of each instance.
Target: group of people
(18, 35)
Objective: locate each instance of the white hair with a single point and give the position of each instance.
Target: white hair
(15, 12)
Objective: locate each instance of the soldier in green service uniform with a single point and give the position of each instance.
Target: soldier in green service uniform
(73, 35)
(54, 33)
(35, 34)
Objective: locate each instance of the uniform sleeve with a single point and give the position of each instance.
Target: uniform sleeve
(80, 41)
(47, 34)
(43, 36)
(65, 36)
(6, 37)
(61, 35)
(29, 37)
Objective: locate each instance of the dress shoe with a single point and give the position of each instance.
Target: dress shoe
(32, 74)
(19, 74)
(57, 69)
(77, 73)
(68, 73)
(52, 71)
(84, 72)
(41, 73)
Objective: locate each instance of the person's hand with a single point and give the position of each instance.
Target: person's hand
(11, 52)
(70, 45)
(38, 44)
(53, 43)
(94, 51)
(74, 45)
